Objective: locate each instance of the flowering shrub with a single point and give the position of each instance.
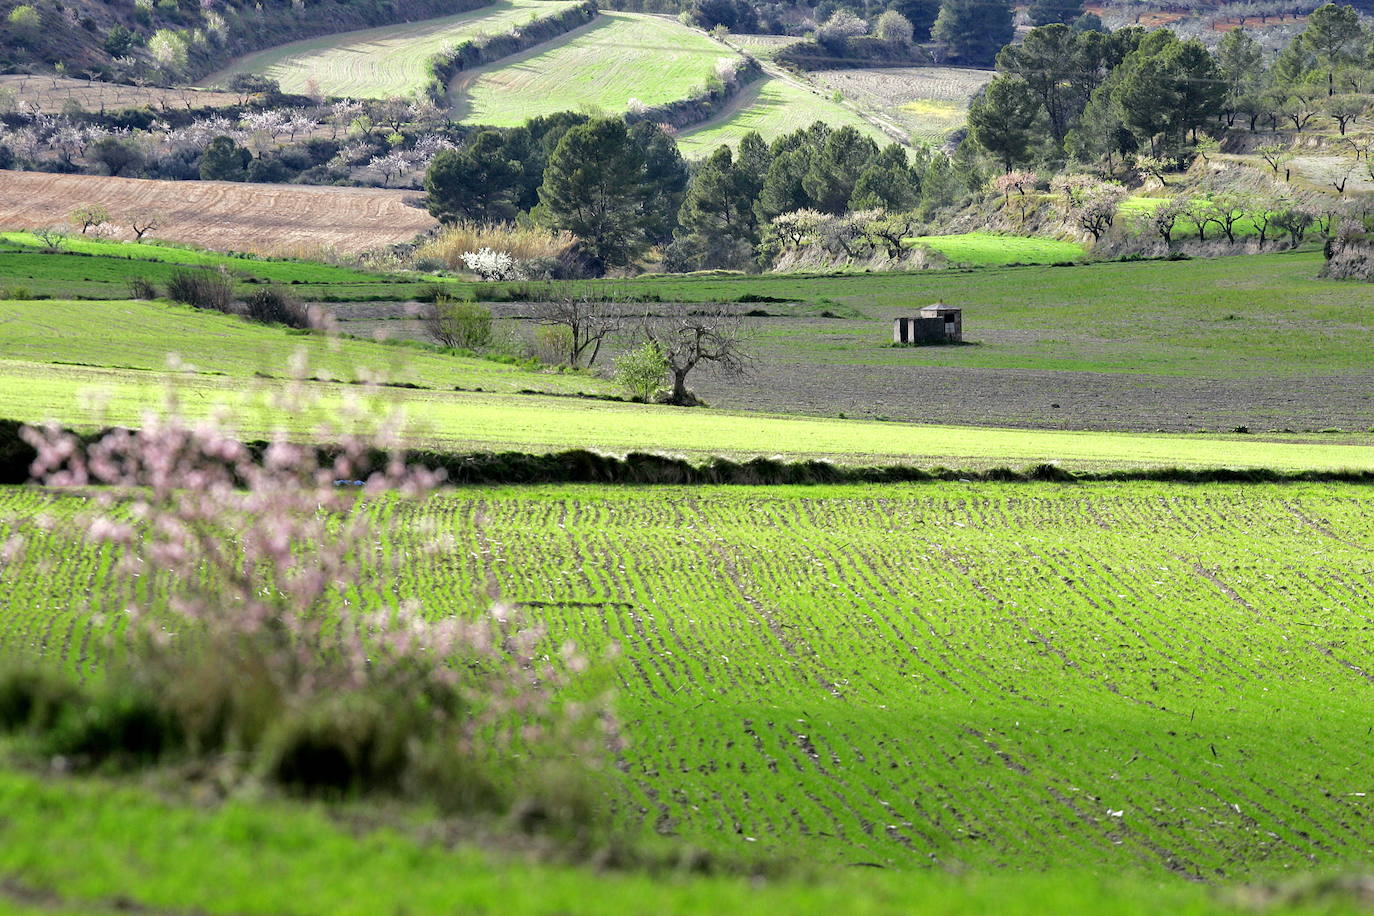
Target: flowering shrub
(248, 643)
(490, 264)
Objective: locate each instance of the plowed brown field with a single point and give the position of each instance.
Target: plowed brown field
(52, 93)
(266, 219)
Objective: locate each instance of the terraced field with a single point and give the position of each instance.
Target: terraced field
(382, 62)
(87, 268)
(50, 94)
(928, 102)
(772, 106)
(52, 351)
(601, 66)
(267, 219)
(1147, 679)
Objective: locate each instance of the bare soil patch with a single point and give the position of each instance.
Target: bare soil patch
(832, 380)
(268, 219)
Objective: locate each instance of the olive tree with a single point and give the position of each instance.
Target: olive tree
(712, 337)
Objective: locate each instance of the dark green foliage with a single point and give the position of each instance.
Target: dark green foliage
(16, 455)
(888, 182)
(832, 174)
(123, 723)
(665, 173)
(119, 157)
(1333, 37)
(203, 289)
(31, 698)
(920, 13)
(478, 182)
(718, 227)
(118, 41)
(973, 31)
(274, 305)
(253, 84)
(1003, 120)
(224, 160)
(735, 15)
(1045, 12)
(595, 187)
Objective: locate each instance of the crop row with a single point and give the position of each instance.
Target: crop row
(1140, 676)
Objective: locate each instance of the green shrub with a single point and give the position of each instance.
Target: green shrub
(275, 306)
(142, 288)
(457, 324)
(31, 698)
(552, 343)
(203, 289)
(642, 371)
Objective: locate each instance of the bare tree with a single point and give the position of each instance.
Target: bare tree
(1227, 208)
(589, 321)
(143, 223)
(1340, 175)
(52, 237)
(715, 337)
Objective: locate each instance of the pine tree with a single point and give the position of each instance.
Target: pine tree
(594, 187)
(1003, 120)
(477, 182)
(973, 31)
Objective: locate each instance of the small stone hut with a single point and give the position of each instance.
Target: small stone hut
(934, 324)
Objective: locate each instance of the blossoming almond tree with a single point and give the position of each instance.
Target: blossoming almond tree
(251, 640)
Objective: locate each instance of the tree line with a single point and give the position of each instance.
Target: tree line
(623, 189)
(1065, 94)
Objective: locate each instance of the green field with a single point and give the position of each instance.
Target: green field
(94, 848)
(68, 338)
(772, 106)
(382, 62)
(952, 697)
(465, 421)
(1140, 207)
(601, 67)
(100, 269)
(1262, 315)
(984, 249)
(1146, 682)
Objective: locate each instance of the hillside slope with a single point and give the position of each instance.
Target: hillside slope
(109, 40)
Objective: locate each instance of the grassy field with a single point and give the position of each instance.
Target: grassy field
(96, 849)
(93, 848)
(1239, 316)
(382, 62)
(1146, 683)
(56, 357)
(267, 219)
(100, 269)
(69, 338)
(602, 66)
(463, 421)
(984, 249)
(771, 106)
